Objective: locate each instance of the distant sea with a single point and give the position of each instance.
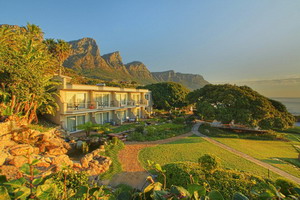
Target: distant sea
(292, 105)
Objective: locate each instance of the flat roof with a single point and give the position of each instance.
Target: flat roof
(77, 87)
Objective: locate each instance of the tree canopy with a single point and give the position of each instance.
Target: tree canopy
(240, 104)
(168, 95)
(26, 69)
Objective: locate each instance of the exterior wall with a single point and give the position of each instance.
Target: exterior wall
(92, 107)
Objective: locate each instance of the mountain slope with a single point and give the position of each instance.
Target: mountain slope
(86, 60)
(191, 81)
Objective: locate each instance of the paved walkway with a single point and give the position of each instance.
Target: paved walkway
(243, 155)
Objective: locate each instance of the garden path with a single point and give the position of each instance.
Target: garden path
(243, 155)
(133, 173)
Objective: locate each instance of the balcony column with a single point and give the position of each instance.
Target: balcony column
(129, 98)
(113, 100)
(92, 100)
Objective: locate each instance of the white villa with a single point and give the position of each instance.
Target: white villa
(100, 104)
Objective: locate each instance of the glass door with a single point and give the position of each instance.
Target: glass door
(71, 124)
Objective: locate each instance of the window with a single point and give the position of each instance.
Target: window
(103, 99)
(76, 99)
(122, 98)
(74, 121)
(102, 118)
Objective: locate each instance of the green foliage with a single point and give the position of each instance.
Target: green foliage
(26, 69)
(206, 129)
(168, 95)
(225, 183)
(240, 104)
(209, 162)
(70, 179)
(158, 132)
(286, 187)
(89, 126)
(111, 150)
(179, 120)
(140, 129)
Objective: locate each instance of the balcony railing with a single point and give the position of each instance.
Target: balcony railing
(103, 105)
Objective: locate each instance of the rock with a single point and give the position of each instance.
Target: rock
(43, 164)
(10, 171)
(23, 149)
(3, 157)
(62, 160)
(84, 162)
(18, 161)
(77, 165)
(56, 150)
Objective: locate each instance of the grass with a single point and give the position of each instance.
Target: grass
(278, 153)
(112, 150)
(191, 148)
(42, 126)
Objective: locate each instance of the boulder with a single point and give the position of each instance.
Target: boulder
(18, 161)
(56, 150)
(3, 156)
(23, 149)
(61, 160)
(10, 171)
(84, 162)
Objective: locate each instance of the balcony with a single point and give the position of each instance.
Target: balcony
(96, 106)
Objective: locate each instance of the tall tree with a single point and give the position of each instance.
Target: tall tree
(168, 95)
(240, 104)
(60, 50)
(26, 69)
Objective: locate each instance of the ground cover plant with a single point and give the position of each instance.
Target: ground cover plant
(191, 148)
(270, 149)
(208, 173)
(158, 132)
(111, 150)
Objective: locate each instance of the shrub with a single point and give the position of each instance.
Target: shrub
(226, 181)
(69, 178)
(179, 120)
(136, 136)
(209, 162)
(140, 129)
(286, 186)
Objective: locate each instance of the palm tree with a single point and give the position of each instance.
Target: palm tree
(88, 127)
(60, 49)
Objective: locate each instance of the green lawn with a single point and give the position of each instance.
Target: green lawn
(275, 148)
(191, 148)
(275, 153)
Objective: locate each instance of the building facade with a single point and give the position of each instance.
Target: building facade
(99, 104)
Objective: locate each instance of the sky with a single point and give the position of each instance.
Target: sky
(223, 40)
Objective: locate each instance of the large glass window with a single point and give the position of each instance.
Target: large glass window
(71, 124)
(77, 100)
(102, 118)
(74, 121)
(122, 98)
(103, 99)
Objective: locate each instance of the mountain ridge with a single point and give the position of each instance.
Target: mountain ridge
(87, 60)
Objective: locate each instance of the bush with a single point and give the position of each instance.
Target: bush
(69, 178)
(227, 182)
(209, 162)
(140, 129)
(179, 120)
(136, 136)
(286, 186)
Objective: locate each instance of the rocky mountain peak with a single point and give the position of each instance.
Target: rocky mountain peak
(113, 58)
(85, 46)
